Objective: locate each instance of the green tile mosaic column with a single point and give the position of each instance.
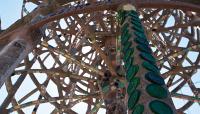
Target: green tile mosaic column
(146, 90)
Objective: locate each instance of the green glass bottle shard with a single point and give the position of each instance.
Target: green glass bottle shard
(140, 35)
(124, 27)
(121, 16)
(125, 33)
(150, 67)
(136, 23)
(139, 109)
(133, 99)
(132, 71)
(133, 85)
(126, 47)
(148, 57)
(138, 28)
(156, 91)
(154, 78)
(125, 38)
(128, 64)
(143, 48)
(133, 14)
(129, 54)
(141, 41)
(159, 107)
(105, 89)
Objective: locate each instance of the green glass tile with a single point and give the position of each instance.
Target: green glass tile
(122, 21)
(133, 99)
(139, 109)
(141, 41)
(159, 107)
(126, 47)
(105, 89)
(124, 28)
(133, 13)
(132, 71)
(136, 23)
(138, 29)
(135, 18)
(125, 32)
(154, 78)
(125, 38)
(143, 48)
(130, 15)
(140, 35)
(148, 57)
(105, 83)
(150, 67)
(128, 63)
(126, 60)
(132, 85)
(128, 54)
(156, 91)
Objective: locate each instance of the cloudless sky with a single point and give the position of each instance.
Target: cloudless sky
(10, 11)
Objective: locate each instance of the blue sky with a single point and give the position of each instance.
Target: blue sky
(10, 11)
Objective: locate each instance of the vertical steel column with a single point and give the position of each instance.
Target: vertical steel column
(14, 49)
(10, 56)
(146, 90)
